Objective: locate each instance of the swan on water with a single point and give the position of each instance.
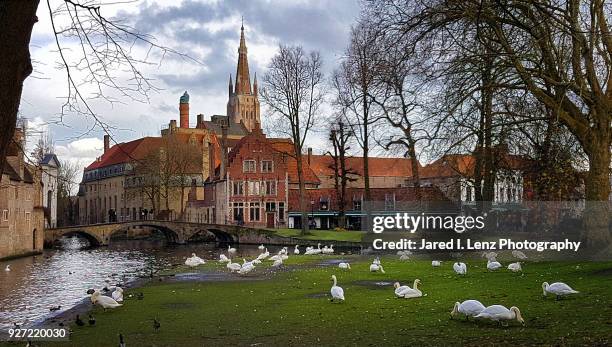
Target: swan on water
(519, 255)
(493, 265)
(7, 268)
(460, 268)
(230, 249)
(337, 292)
(499, 313)
(106, 302)
(296, 250)
(515, 267)
(118, 294)
(407, 292)
(558, 288)
(261, 247)
(194, 260)
(344, 266)
(469, 308)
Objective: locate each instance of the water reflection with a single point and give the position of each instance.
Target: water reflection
(61, 277)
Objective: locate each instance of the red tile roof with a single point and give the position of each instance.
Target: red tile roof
(286, 146)
(126, 152)
(378, 166)
(452, 165)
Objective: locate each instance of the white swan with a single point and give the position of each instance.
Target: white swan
(337, 292)
(404, 257)
(407, 292)
(276, 257)
(436, 263)
(246, 268)
(284, 256)
(230, 249)
(283, 250)
(7, 268)
(233, 267)
(376, 261)
(194, 260)
(344, 266)
(296, 251)
(317, 250)
(263, 255)
(493, 265)
(460, 268)
(515, 267)
(106, 302)
(223, 259)
(490, 255)
(328, 250)
(261, 247)
(376, 268)
(499, 313)
(519, 255)
(278, 262)
(470, 308)
(118, 294)
(558, 288)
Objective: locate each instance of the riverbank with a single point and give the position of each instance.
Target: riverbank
(292, 307)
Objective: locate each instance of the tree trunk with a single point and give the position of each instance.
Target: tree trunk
(17, 18)
(302, 188)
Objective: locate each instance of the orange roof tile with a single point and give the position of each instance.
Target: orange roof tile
(378, 166)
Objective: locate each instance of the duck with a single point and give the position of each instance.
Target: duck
(223, 258)
(407, 292)
(91, 320)
(261, 247)
(7, 268)
(436, 263)
(336, 291)
(558, 288)
(519, 255)
(499, 313)
(493, 265)
(230, 249)
(376, 268)
(470, 308)
(194, 261)
(460, 268)
(118, 294)
(78, 321)
(104, 301)
(296, 250)
(515, 267)
(278, 262)
(233, 267)
(346, 266)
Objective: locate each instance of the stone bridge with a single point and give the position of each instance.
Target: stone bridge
(174, 231)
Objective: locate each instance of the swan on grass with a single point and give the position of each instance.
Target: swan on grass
(233, 267)
(493, 265)
(519, 255)
(460, 268)
(469, 308)
(515, 267)
(261, 247)
(499, 313)
(558, 288)
(317, 250)
(223, 258)
(436, 263)
(346, 266)
(404, 257)
(376, 261)
(276, 257)
(194, 260)
(278, 262)
(489, 255)
(246, 268)
(328, 250)
(296, 250)
(376, 268)
(118, 294)
(264, 255)
(230, 249)
(407, 292)
(106, 302)
(336, 291)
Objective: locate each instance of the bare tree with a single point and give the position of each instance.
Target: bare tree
(66, 185)
(340, 137)
(184, 163)
(293, 90)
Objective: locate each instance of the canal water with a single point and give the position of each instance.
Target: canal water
(61, 277)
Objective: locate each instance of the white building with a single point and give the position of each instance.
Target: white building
(50, 169)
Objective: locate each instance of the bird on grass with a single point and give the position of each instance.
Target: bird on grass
(436, 263)
(493, 265)
(501, 314)
(121, 341)
(336, 291)
(470, 308)
(156, 324)
(515, 267)
(92, 320)
(460, 268)
(558, 288)
(79, 321)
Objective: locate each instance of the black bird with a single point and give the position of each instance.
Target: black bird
(79, 321)
(140, 296)
(16, 325)
(92, 320)
(121, 342)
(90, 291)
(53, 309)
(156, 324)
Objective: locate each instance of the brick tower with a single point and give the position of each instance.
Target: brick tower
(184, 110)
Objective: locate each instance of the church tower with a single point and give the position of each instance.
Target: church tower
(243, 103)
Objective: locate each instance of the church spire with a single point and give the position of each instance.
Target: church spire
(243, 80)
(231, 87)
(255, 85)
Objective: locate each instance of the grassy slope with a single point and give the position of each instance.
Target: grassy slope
(292, 308)
(353, 236)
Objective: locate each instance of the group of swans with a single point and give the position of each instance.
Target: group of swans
(105, 301)
(496, 313)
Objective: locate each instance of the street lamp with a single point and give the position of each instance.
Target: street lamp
(312, 211)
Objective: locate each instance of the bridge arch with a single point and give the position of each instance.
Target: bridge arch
(93, 239)
(171, 235)
(220, 235)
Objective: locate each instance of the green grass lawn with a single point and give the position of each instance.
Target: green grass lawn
(326, 235)
(293, 308)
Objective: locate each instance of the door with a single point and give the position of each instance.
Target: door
(270, 220)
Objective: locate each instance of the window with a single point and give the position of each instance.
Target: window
(270, 206)
(248, 166)
(357, 203)
(27, 216)
(254, 212)
(324, 203)
(468, 193)
(270, 187)
(254, 188)
(238, 211)
(281, 211)
(389, 201)
(267, 166)
(238, 187)
(16, 193)
(5, 215)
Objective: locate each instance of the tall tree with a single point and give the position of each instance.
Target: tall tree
(293, 90)
(340, 138)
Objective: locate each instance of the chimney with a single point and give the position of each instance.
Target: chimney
(184, 110)
(106, 143)
(309, 154)
(223, 151)
(172, 125)
(200, 120)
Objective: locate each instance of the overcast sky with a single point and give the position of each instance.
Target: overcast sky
(208, 31)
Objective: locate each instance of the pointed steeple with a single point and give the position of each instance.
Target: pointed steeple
(255, 85)
(231, 86)
(243, 81)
